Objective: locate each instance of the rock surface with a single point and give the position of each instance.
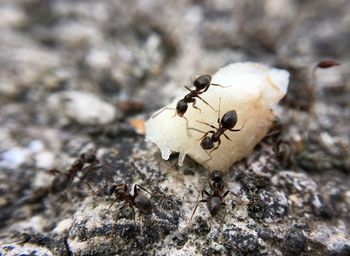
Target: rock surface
(295, 193)
(84, 108)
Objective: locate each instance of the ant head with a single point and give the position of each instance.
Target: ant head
(229, 120)
(202, 82)
(207, 143)
(215, 175)
(181, 107)
(214, 204)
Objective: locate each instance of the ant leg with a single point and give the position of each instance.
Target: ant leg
(118, 212)
(188, 88)
(226, 137)
(115, 200)
(205, 135)
(212, 126)
(134, 214)
(194, 129)
(195, 209)
(236, 197)
(225, 194)
(101, 189)
(54, 172)
(187, 128)
(237, 130)
(272, 133)
(138, 186)
(89, 186)
(210, 157)
(199, 97)
(160, 111)
(205, 192)
(211, 187)
(216, 146)
(194, 106)
(220, 85)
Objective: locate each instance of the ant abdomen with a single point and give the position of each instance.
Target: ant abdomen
(214, 205)
(202, 82)
(143, 204)
(229, 120)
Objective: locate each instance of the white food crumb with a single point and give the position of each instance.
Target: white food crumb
(251, 89)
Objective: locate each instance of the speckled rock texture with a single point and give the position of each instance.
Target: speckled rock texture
(132, 57)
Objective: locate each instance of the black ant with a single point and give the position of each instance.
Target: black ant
(324, 64)
(215, 201)
(227, 122)
(283, 149)
(201, 84)
(63, 180)
(136, 200)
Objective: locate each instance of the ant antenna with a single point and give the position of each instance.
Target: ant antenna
(219, 109)
(323, 65)
(160, 111)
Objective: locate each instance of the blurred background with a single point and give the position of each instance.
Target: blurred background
(82, 73)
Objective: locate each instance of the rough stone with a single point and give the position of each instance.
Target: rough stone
(82, 107)
(295, 201)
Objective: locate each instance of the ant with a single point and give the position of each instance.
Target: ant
(136, 200)
(283, 149)
(214, 201)
(324, 64)
(201, 84)
(227, 122)
(63, 180)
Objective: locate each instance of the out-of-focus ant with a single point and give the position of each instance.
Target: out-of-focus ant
(63, 180)
(227, 122)
(215, 201)
(201, 84)
(136, 200)
(324, 64)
